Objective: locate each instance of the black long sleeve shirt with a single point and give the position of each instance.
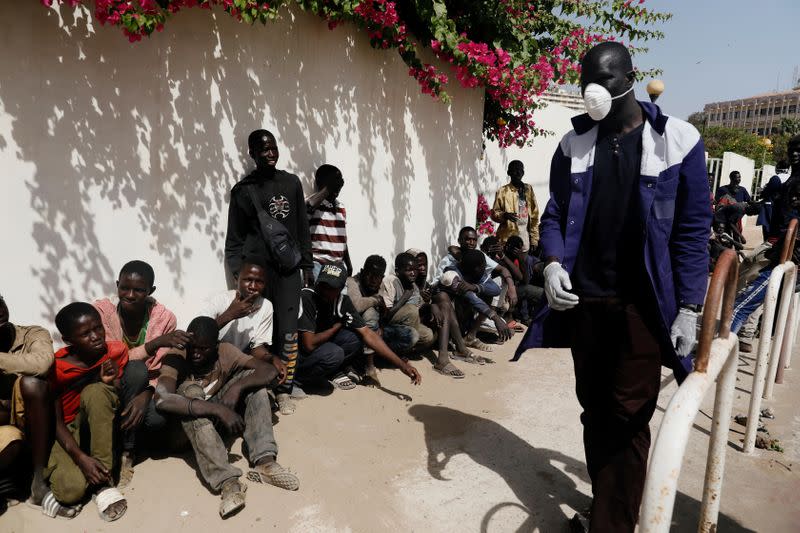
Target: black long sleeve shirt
(282, 197)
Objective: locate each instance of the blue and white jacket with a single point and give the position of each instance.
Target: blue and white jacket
(673, 193)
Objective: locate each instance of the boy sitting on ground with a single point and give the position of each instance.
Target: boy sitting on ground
(403, 331)
(331, 332)
(529, 294)
(148, 330)
(437, 313)
(85, 383)
(245, 317)
(26, 354)
(327, 220)
(206, 384)
(467, 283)
(468, 240)
(362, 289)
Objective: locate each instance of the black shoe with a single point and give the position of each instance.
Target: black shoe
(579, 524)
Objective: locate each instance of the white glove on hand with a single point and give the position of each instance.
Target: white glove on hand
(684, 331)
(556, 287)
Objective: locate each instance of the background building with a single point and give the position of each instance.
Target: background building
(569, 98)
(760, 114)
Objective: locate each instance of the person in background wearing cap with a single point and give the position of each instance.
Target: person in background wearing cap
(332, 332)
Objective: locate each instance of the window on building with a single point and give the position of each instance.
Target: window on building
(736, 115)
(792, 109)
(749, 113)
(724, 115)
(760, 131)
(763, 111)
(776, 110)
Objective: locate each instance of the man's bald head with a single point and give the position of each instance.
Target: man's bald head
(613, 53)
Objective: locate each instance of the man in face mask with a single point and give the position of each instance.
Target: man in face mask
(624, 237)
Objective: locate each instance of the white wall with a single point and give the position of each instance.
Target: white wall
(111, 151)
(536, 158)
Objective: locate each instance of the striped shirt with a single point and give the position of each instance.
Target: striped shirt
(328, 234)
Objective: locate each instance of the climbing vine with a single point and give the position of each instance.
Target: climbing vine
(512, 49)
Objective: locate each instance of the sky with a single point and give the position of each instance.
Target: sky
(717, 50)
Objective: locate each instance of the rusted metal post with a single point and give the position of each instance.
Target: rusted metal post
(787, 297)
(670, 445)
(766, 350)
(720, 424)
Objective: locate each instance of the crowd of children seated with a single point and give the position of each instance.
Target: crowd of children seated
(73, 423)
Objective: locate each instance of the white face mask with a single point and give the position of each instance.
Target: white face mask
(598, 100)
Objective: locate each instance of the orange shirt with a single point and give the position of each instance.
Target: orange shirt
(67, 380)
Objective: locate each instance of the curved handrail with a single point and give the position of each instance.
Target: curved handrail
(721, 291)
(788, 242)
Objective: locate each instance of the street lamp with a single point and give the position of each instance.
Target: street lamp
(654, 89)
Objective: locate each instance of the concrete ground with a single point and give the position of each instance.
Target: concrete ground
(498, 451)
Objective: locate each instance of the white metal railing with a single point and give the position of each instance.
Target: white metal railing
(770, 346)
(717, 360)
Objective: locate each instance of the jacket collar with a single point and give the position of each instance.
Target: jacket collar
(652, 113)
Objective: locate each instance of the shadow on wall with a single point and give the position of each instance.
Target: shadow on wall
(531, 473)
(159, 129)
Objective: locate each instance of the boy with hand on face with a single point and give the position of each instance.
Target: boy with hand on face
(85, 383)
(211, 383)
(245, 319)
(327, 220)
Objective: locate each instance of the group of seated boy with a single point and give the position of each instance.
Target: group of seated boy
(73, 422)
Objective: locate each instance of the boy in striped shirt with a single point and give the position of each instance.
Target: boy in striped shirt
(327, 220)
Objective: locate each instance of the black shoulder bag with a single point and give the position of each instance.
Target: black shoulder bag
(279, 241)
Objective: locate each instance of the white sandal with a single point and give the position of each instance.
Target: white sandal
(105, 498)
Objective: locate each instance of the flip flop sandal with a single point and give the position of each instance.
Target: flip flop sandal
(484, 360)
(343, 382)
(107, 497)
(471, 359)
(450, 370)
(478, 345)
(232, 498)
(285, 403)
(354, 376)
(274, 474)
(53, 509)
(516, 326)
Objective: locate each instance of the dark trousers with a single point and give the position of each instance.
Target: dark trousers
(328, 358)
(528, 297)
(134, 381)
(617, 361)
(283, 291)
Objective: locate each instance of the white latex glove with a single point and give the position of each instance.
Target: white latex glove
(557, 286)
(684, 331)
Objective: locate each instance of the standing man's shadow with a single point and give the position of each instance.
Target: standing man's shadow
(538, 484)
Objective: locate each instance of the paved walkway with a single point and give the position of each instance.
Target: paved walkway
(498, 451)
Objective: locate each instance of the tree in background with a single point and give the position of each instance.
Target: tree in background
(719, 139)
(512, 49)
(697, 119)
